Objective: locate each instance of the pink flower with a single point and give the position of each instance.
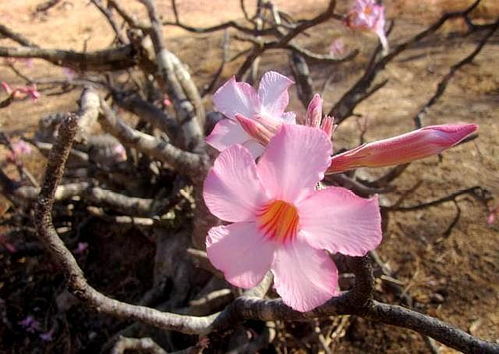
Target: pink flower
(265, 106)
(279, 222)
(418, 144)
(367, 15)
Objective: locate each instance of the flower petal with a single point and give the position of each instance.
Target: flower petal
(294, 161)
(241, 252)
(232, 191)
(226, 133)
(337, 220)
(303, 276)
(273, 93)
(255, 148)
(236, 97)
(289, 117)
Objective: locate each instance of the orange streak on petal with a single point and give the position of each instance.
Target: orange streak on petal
(279, 220)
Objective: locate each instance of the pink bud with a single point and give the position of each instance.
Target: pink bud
(314, 112)
(255, 129)
(328, 126)
(418, 144)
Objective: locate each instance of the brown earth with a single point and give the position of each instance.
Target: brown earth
(461, 267)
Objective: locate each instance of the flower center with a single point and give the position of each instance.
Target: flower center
(279, 220)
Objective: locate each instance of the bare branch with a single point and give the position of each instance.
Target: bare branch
(285, 38)
(76, 280)
(131, 21)
(178, 84)
(147, 345)
(184, 162)
(17, 37)
(149, 113)
(442, 85)
(478, 192)
(431, 327)
(103, 60)
(47, 5)
(110, 18)
(301, 73)
(345, 106)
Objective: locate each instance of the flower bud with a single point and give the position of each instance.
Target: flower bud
(255, 129)
(314, 112)
(418, 144)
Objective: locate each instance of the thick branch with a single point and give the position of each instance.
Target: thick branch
(103, 60)
(431, 327)
(76, 280)
(178, 84)
(97, 196)
(149, 113)
(185, 162)
(17, 37)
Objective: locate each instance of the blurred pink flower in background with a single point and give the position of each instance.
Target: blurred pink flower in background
(415, 145)
(30, 91)
(367, 15)
(47, 336)
(69, 73)
(30, 324)
(6, 88)
(28, 62)
(22, 92)
(280, 222)
(7, 244)
(265, 107)
(19, 148)
(119, 153)
(491, 219)
(82, 248)
(337, 48)
(166, 101)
